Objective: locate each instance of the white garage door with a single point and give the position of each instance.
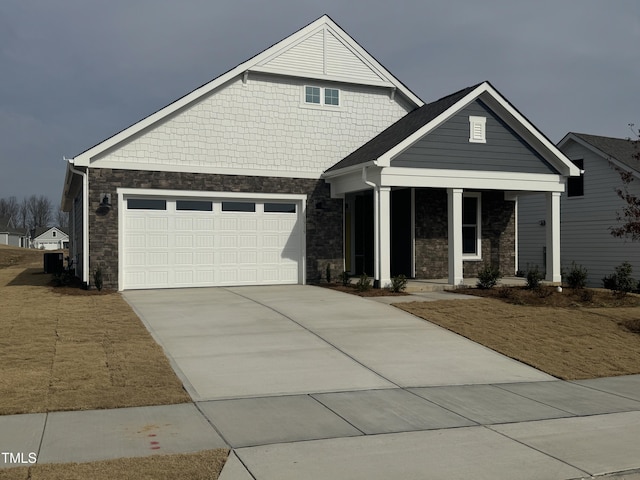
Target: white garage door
(191, 242)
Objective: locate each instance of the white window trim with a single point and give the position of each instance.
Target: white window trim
(322, 104)
(476, 136)
(478, 254)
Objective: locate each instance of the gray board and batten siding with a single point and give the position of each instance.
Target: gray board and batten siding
(448, 147)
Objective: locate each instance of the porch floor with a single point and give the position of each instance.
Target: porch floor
(440, 284)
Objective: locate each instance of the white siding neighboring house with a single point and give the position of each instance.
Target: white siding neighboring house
(588, 210)
(50, 238)
(9, 235)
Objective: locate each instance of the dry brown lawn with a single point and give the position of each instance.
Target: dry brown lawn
(73, 352)
(193, 466)
(563, 336)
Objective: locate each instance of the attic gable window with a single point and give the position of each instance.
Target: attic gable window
(477, 129)
(321, 96)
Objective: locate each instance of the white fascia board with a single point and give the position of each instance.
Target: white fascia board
(158, 167)
(556, 157)
(84, 158)
(152, 192)
(346, 170)
(471, 179)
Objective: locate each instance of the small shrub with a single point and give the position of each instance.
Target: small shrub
(534, 277)
(586, 295)
(543, 292)
(64, 278)
(363, 284)
(506, 292)
(398, 284)
(344, 278)
(577, 276)
(97, 278)
(328, 273)
(620, 282)
(488, 277)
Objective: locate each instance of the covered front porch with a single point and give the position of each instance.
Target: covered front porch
(435, 194)
(446, 234)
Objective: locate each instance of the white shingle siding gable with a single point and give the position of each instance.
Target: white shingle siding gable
(262, 127)
(585, 222)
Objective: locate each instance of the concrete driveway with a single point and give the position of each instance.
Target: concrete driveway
(228, 343)
(304, 382)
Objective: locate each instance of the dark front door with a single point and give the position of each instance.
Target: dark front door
(401, 232)
(363, 235)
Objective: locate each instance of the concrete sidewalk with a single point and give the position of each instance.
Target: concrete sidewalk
(533, 430)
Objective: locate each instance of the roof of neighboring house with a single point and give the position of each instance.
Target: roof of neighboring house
(624, 150)
(36, 232)
(6, 226)
(403, 128)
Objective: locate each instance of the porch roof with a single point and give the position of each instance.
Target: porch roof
(401, 130)
(414, 126)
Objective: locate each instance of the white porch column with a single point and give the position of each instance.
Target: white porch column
(384, 236)
(454, 207)
(553, 237)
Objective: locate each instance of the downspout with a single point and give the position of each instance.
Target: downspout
(85, 220)
(376, 223)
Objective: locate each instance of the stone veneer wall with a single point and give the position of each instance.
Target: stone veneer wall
(498, 234)
(323, 219)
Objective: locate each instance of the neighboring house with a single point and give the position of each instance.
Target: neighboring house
(310, 154)
(10, 235)
(49, 238)
(589, 210)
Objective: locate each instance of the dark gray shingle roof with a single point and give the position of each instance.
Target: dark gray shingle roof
(622, 149)
(399, 131)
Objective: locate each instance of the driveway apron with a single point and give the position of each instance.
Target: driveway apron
(240, 342)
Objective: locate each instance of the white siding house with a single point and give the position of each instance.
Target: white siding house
(9, 235)
(50, 238)
(588, 210)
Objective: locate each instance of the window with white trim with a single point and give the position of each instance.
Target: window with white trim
(471, 231)
(477, 129)
(321, 96)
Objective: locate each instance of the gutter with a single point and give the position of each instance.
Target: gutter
(85, 219)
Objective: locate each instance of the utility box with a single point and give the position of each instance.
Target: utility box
(53, 262)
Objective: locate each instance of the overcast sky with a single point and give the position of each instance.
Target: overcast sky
(73, 72)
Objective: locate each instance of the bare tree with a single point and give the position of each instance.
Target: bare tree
(39, 211)
(62, 218)
(23, 214)
(9, 207)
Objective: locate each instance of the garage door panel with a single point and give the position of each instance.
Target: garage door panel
(184, 258)
(177, 247)
(204, 258)
(157, 241)
(184, 241)
(157, 223)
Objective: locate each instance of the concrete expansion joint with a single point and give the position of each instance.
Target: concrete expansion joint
(547, 454)
(315, 335)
